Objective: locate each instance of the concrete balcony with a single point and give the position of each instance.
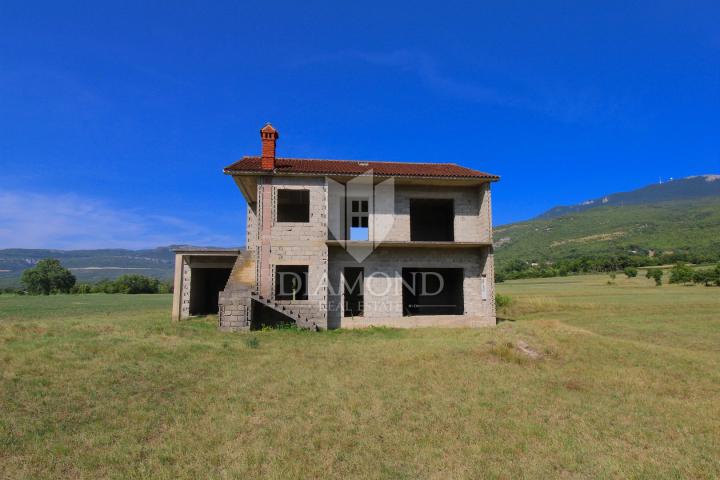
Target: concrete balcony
(405, 244)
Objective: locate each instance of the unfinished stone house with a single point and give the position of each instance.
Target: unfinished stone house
(339, 243)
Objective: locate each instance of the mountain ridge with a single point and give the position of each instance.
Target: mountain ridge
(91, 265)
(692, 187)
(677, 216)
(676, 219)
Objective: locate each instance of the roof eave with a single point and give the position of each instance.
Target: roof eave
(489, 178)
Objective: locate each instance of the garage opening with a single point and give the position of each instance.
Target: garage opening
(436, 291)
(432, 220)
(205, 286)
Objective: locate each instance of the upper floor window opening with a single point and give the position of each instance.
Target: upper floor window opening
(293, 205)
(359, 219)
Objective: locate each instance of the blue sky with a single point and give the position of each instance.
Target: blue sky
(116, 118)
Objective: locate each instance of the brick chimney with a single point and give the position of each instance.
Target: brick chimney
(269, 136)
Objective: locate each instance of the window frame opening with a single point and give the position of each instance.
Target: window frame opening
(292, 205)
(358, 215)
(432, 220)
(291, 273)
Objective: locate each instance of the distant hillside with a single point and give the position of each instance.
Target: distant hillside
(90, 265)
(682, 216)
(690, 188)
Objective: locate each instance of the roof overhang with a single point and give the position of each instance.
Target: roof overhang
(208, 251)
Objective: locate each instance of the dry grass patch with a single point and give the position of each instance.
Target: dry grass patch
(116, 390)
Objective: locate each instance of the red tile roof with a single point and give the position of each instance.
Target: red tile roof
(358, 167)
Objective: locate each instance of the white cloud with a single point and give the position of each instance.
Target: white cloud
(70, 221)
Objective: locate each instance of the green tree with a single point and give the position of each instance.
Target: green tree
(704, 277)
(708, 277)
(47, 277)
(631, 272)
(656, 274)
(681, 273)
(104, 286)
(82, 288)
(136, 284)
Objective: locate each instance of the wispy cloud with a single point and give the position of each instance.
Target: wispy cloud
(428, 70)
(556, 101)
(70, 221)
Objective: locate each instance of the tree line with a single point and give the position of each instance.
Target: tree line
(48, 276)
(517, 269)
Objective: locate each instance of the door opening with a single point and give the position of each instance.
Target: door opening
(353, 279)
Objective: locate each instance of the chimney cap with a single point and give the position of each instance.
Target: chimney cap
(268, 128)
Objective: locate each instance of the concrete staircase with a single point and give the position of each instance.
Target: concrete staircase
(300, 321)
(235, 301)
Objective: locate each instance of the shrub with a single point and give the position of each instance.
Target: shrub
(502, 301)
(82, 288)
(47, 277)
(104, 286)
(136, 284)
(132, 284)
(631, 272)
(704, 277)
(166, 287)
(656, 274)
(681, 273)
(708, 277)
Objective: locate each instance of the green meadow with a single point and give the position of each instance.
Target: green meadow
(584, 379)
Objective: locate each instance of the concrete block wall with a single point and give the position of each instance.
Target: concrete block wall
(251, 231)
(303, 243)
(485, 216)
(383, 284)
(234, 311)
(471, 212)
(185, 293)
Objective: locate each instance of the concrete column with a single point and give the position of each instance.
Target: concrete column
(265, 227)
(177, 287)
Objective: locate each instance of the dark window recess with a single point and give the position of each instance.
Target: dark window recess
(432, 220)
(360, 222)
(353, 291)
(359, 206)
(436, 291)
(291, 282)
(293, 206)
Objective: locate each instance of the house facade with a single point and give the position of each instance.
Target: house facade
(343, 244)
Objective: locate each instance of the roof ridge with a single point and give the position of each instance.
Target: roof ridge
(350, 160)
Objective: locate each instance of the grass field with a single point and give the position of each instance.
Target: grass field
(627, 385)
